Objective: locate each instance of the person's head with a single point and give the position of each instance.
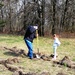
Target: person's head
(36, 27)
(55, 35)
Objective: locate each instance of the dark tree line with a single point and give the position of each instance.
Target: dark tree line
(52, 16)
(1, 21)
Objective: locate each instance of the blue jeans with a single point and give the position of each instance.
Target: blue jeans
(30, 48)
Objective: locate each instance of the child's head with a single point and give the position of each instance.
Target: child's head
(55, 35)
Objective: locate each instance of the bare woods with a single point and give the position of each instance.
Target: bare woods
(52, 16)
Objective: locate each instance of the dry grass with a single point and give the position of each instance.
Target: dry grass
(67, 48)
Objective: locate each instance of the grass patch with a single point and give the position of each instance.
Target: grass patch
(67, 48)
(74, 59)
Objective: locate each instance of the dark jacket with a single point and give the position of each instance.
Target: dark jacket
(30, 33)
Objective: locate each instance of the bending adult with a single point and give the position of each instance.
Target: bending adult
(29, 37)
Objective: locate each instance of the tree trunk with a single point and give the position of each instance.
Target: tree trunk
(54, 11)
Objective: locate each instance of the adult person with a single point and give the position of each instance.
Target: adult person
(29, 37)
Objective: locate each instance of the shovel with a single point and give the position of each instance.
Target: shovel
(37, 41)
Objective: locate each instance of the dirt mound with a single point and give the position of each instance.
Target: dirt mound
(21, 73)
(2, 68)
(9, 60)
(7, 63)
(43, 56)
(22, 53)
(66, 61)
(13, 68)
(61, 73)
(16, 51)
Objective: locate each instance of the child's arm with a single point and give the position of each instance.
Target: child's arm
(58, 42)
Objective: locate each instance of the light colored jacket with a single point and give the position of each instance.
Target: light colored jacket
(56, 42)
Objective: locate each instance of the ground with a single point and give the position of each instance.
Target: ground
(67, 48)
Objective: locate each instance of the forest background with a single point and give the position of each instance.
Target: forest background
(52, 16)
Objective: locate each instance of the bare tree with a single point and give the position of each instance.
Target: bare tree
(52, 16)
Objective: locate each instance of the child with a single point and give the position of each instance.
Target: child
(55, 45)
